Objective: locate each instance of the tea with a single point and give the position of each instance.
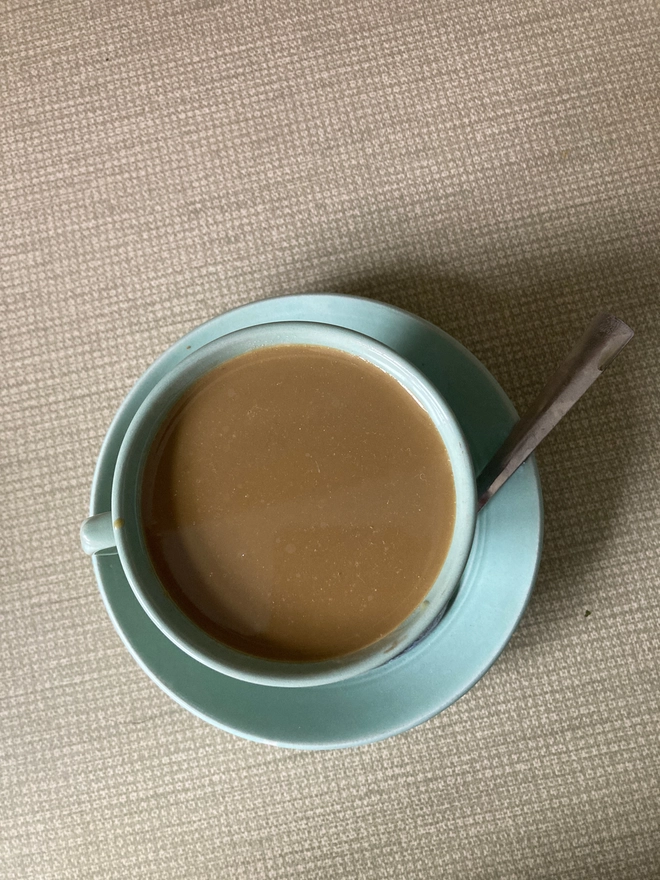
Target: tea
(297, 503)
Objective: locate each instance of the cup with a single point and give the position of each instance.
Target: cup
(119, 530)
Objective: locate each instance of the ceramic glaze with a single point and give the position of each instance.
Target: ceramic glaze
(434, 673)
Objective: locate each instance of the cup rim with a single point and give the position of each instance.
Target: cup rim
(151, 594)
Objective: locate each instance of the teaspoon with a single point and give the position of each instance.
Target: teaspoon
(601, 343)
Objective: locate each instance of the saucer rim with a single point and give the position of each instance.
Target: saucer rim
(137, 393)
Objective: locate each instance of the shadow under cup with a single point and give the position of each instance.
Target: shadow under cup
(128, 534)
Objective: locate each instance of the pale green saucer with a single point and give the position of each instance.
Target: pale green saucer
(433, 673)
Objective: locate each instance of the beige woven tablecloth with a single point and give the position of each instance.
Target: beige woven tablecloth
(492, 165)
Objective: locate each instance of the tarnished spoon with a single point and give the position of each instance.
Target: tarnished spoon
(602, 342)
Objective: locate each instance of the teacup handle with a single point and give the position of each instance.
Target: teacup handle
(98, 533)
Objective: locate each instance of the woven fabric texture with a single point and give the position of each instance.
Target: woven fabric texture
(492, 165)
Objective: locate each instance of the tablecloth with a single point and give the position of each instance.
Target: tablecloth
(491, 165)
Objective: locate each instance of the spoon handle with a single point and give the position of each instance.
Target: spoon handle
(602, 342)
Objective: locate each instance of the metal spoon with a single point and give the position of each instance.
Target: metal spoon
(602, 342)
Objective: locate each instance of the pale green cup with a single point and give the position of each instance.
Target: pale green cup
(119, 529)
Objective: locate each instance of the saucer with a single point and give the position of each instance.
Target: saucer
(434, 672)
